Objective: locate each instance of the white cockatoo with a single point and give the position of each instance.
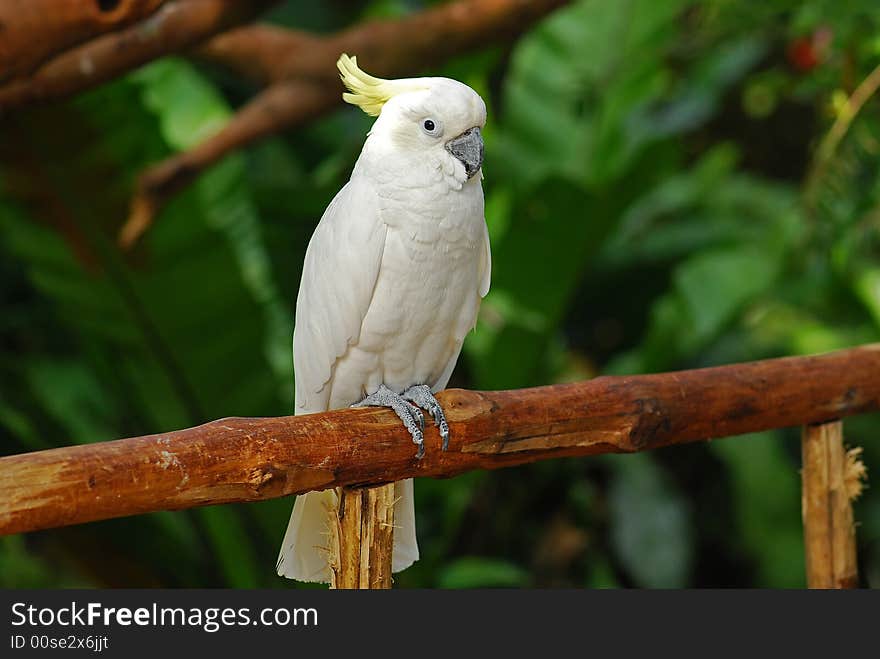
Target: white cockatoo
(392, 282)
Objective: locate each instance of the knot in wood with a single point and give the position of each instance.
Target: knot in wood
(651, 419)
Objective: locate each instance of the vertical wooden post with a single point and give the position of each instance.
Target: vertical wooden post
(361, 537)
(831, 478)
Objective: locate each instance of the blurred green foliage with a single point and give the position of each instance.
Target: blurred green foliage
(656, 197)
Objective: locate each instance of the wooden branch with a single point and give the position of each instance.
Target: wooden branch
(831, 479)
(262, 53)
(34, 30)
(177, 26)
(84, 44)
(304, 80)
(400, 47)
(362, 538)
(245, 459)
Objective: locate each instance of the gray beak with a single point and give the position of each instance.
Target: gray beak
(468, 148)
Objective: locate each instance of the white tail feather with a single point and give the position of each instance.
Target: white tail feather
(305, 551)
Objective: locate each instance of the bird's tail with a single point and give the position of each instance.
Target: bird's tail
(304, 551)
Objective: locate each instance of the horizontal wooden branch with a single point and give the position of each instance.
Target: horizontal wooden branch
(249, 459)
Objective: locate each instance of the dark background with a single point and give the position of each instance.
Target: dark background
(661, 193)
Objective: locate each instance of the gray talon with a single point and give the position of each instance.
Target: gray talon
(417, 415)
(406, 406)
(421, 395)
(412, 417)
(444, 434)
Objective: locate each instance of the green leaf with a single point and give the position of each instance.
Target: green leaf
(476, 572)
(709, 291)
(537, 263)
(232, 547)
(20, 568)
(714, 285)
(650, 524)
(73, 396)
(189, 110)
(766, 492)
(867, 285)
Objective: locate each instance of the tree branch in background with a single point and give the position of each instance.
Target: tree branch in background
(34, 30)
(176, 26)
(262, 53)
(301, 72)
(79, 45)
(240, 459)
(405, 46)
(282, 104)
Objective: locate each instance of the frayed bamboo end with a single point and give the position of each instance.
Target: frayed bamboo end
(855, 473)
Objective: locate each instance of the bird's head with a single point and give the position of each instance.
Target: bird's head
(421, 114)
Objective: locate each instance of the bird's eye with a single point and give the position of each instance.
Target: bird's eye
(432, 127)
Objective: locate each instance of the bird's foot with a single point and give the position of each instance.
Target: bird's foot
(411, 415)
(421, 395)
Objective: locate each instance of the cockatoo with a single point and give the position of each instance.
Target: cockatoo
(392, 282)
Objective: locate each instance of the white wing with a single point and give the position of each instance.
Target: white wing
(339, 276)
(485, 263)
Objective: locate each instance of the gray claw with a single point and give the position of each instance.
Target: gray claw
(412, 416)
(444, 435)
(421, 395)
(418, 416)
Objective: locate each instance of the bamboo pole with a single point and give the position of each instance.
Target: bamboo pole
(362, 537)
(831, 478)
(234, 460)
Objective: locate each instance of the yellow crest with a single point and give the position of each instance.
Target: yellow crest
(368, 92)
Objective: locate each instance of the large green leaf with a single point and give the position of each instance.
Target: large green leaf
(189, 109)
(650, 524)
(475, 572)
(767, 494)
